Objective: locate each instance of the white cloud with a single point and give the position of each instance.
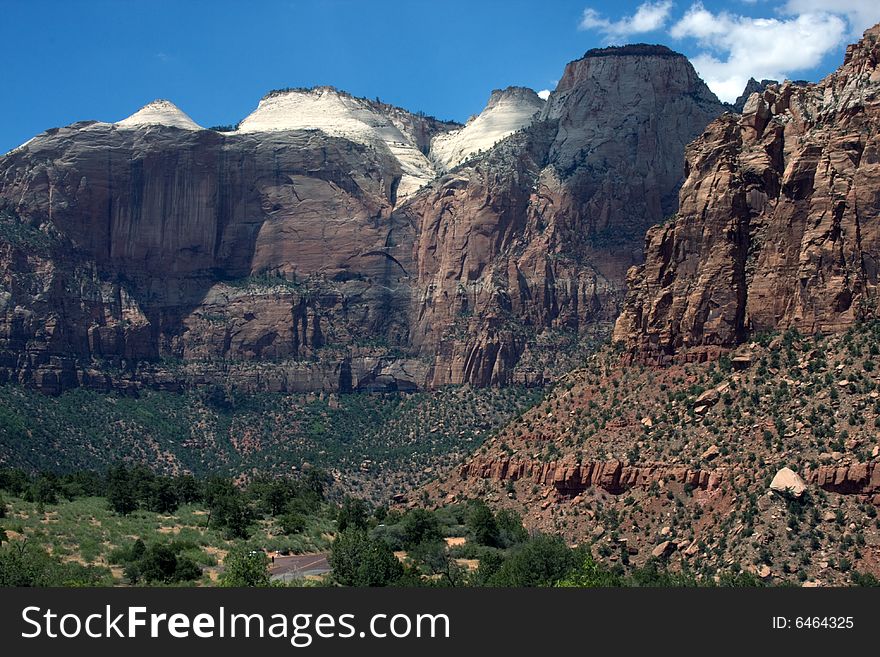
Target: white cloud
(861, 14)
(649, 17)
(544, 94)
(735, 48)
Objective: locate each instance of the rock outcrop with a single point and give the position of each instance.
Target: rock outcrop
(330, 242)
(369, 122)
(857, 478)
(777, 221)
(752, 87)
(569, 477)
(196, 246)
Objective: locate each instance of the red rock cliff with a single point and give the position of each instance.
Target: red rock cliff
(777, 224)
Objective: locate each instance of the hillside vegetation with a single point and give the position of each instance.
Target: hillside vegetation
(688, 452)
(376, 445)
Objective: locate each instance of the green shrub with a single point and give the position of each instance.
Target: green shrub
(359, 560)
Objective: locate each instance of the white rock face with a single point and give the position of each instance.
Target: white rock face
(788, 481)
(508, 110)
(340, 115)
(160, 112)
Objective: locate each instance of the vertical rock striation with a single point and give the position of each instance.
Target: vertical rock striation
(777, 225)
(341, 242)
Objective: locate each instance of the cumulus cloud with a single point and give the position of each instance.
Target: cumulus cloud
(735, 48)
(544, 94)
(860, 14)
(649, 17)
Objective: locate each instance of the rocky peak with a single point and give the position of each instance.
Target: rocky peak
(339, 114)
(507, 111)
(535, 235)
(625, 90)
(160, 112)
(633, 50)
(864, 55)
(616, 62)
(514, 94)
(752, 86)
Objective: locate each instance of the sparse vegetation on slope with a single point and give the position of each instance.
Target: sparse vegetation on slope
(375, 445)
(687, 455)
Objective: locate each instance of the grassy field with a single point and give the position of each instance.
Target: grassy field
(86, 531)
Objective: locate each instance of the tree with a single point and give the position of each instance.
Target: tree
(510, 528)
(245, 567)
(138, 550)
(317, 480)
(541, 561)
(44, 491)
(590, 575)
(24, 564)
(2, 507)
(434, 560)
(490, 563)
(187, 569)
(188, 490)
(277, 496)
(163, 496)
(121, 493)
(235, 515)
(159, 564)
(227, 508)
(293, 522)
(420, 526)
(162, 563)
(353, 513)
(481, 524)
(132, 560)
(359, 560)
(14, 481)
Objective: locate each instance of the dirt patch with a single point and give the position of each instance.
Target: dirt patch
(218, 553)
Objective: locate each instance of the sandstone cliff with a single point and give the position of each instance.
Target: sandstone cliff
(777, 220)
(534, 237)
(333, 242)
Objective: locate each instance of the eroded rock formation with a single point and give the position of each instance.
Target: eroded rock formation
(777, 221)
(569, 477)
(326, 245)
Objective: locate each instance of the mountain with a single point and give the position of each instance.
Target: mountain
(524, 249)
(359, 120)
(733, 421)
(159, 112)
(507, 111)
(688, 465)
(776, 226)
(337, 243)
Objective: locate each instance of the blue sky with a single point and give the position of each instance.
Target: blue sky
(70, 60)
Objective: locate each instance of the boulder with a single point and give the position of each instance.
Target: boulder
(663, 550)
(788, 482)
(708, 398)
